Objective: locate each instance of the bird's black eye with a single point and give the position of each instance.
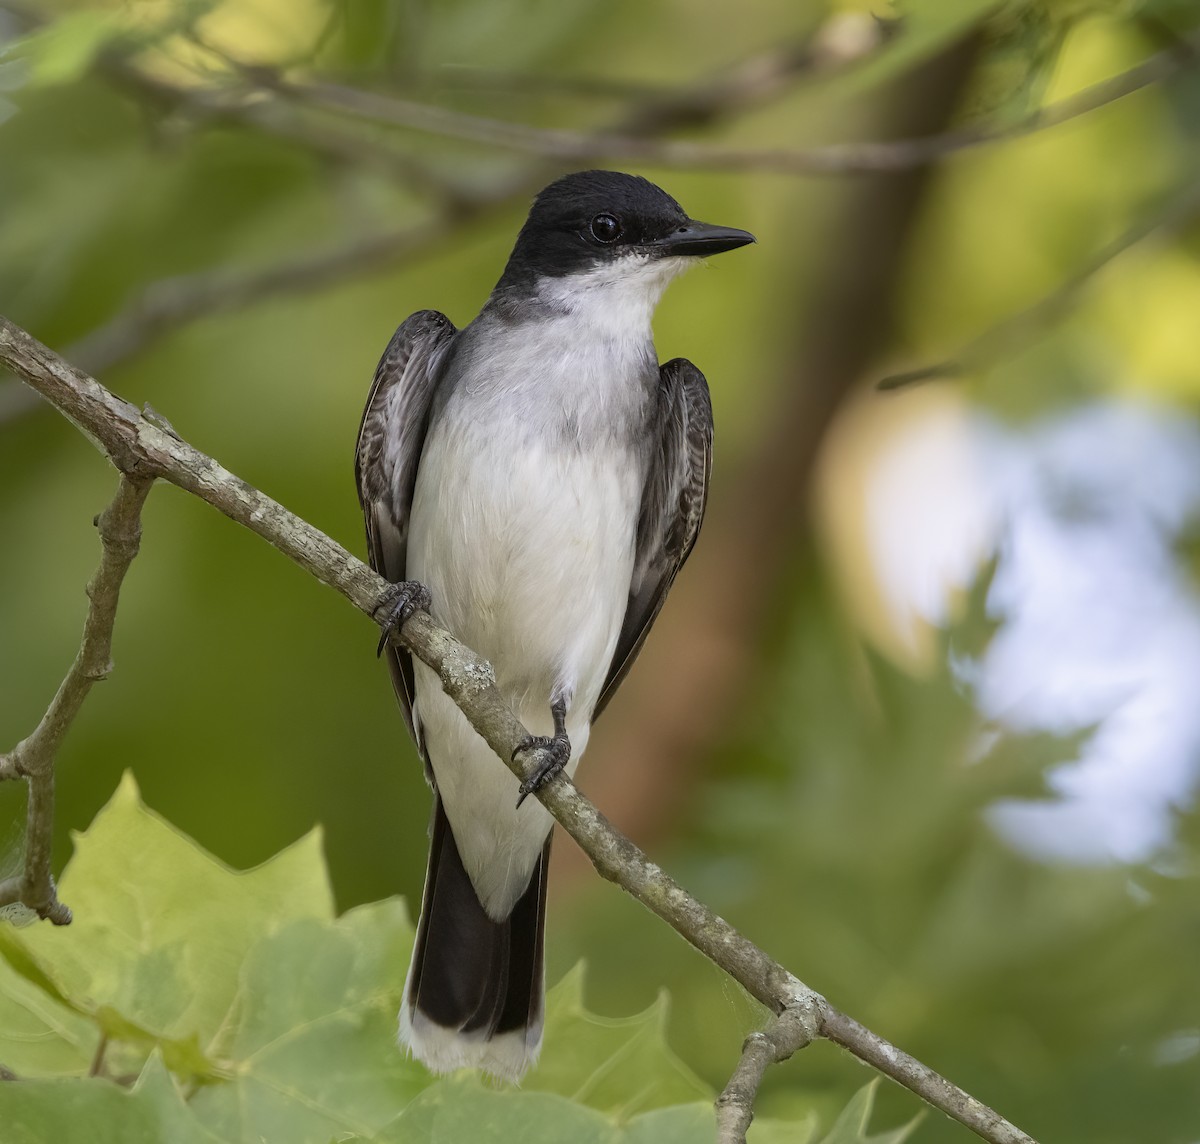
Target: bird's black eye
(606, 228)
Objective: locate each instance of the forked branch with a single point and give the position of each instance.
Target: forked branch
(33, 757)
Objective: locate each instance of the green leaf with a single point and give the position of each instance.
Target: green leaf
(96, 1111)
(143, 895)
(63, 51)
(39, 1036)
(851, 1126)
(277, 1021)
(925, 28)
(462, 1109)
(309, 1045)
(619, 1065)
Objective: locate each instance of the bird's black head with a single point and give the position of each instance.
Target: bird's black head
(595, 218)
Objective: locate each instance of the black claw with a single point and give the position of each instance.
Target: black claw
(556, 753)
(401, 602)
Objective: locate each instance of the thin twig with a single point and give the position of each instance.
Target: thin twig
(783, 1036)
(167, 304)
(1025, 325)
(96, 1068)
(845, 38)
(33, 757)
(835, 159)
(273, 117)
(212, 103)
(144, 448)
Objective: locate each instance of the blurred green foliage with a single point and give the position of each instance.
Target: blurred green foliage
(247, 1012)
(837, 823)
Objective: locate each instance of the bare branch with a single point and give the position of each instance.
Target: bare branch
(168, 304)
(911, 1073)
(790, 1031)
(837, 159)
(274, 117)
(843, 39)
(1025, 325)
(33, 757)
(143, 448)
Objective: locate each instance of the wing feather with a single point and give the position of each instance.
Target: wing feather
(390, 439)
(672, 507)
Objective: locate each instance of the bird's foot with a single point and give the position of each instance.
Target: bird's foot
(397, 606)
(553, 754)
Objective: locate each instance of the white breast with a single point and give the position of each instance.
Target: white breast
(523, 526)
(528, 551)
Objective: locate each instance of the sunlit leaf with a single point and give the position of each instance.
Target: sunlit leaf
(925, 28)
(142, 894)
(278, 1019)
(63, 50)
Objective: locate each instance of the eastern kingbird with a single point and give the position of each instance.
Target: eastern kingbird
(545, 478)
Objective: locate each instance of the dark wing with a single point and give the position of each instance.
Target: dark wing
(672, 507)
(390, 440)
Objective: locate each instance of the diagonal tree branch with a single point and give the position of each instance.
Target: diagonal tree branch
(144, 449)
(33, 757)
(168, 304)
(1017, 329)
(835, 159)
(165, 305)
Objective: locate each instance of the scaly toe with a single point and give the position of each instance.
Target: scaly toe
(402, 601)
(554, 753)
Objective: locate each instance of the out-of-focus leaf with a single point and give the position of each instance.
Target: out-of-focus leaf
(283, 1025)
(462, 1111)
(97, 1111)
(926, 27)
(851, 1126)
(63, 50)
(618, 1065)
(1015, 65)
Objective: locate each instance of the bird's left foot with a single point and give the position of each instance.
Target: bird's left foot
(555, 754)
(398, 605)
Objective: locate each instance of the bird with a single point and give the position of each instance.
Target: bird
(535, 480)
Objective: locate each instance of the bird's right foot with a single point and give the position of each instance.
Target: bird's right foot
(397, 607)
(556, 754)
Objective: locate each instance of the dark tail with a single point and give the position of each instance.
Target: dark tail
(474, 996)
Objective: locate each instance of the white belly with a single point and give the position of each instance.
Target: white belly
(528, 553)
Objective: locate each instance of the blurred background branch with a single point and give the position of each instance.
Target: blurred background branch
(1019, 329)
(262, 102)
(170, 303)
(837, 159)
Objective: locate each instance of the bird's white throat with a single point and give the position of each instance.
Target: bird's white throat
(615, 297)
